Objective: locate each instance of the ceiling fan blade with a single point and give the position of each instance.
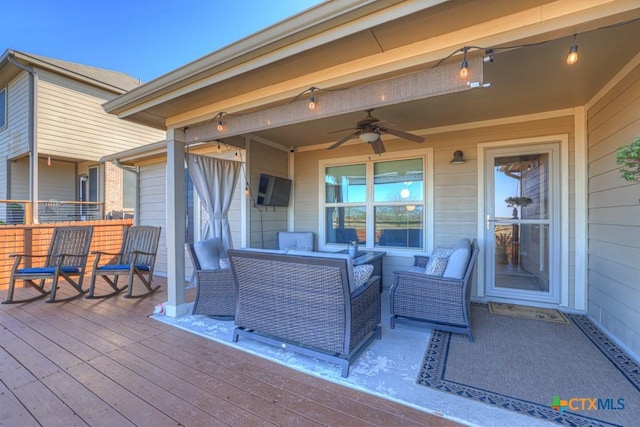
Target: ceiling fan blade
(404, 135)
(343, 140)
(340, 130)
(378, 146)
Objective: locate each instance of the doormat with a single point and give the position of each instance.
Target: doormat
(546, 314)
(570, 374)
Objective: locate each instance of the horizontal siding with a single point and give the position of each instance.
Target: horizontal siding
(265, 222)
(15, 137)
(70, 115)
(614, 214)
(153, 204)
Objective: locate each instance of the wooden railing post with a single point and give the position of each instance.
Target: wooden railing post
(28, 214)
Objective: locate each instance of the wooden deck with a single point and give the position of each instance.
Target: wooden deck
(104, 362)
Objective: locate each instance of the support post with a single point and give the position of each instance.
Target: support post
(176, 305)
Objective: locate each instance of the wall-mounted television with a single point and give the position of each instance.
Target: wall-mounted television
(273, 191)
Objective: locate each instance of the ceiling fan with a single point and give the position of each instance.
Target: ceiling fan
(369, 130)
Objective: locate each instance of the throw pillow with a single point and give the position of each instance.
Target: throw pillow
(436, 266)
(224, 263)
(436, 261)
(361, 274)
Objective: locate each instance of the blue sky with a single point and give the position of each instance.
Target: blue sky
(143, 38)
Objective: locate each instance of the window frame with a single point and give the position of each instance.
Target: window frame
(4, 100)
(428, 221)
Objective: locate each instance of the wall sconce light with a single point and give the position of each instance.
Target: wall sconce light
(458, 158)
(572, 56)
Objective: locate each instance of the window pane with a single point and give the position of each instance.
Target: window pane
(3, 108)
(398, 181)
(128, 189)
(93, 184)
(399, 226)
(522, 186)
(346, 184)
(345, 225)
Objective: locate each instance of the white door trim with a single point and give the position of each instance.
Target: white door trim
(563, 140)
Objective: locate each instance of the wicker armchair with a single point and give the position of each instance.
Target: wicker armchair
(216, 290)
(305, 303)
(440, 302)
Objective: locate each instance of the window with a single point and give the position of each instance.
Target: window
(377, 203)
(92, 190)
(128, 189)
(3, 108)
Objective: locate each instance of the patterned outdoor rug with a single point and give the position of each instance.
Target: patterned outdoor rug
(546, 314)
(586, 379)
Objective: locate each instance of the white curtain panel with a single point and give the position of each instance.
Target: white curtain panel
(215, 181)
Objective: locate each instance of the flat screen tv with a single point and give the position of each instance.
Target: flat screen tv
(273, 191)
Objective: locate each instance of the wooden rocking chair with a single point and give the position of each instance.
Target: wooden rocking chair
(66, 258)
(137, 257)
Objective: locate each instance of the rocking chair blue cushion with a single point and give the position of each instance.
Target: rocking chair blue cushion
(124, 267)
(47, 270)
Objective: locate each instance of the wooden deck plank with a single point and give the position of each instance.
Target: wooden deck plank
(101, 362)
(13, 413)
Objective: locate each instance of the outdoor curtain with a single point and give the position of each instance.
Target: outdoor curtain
(215, 181)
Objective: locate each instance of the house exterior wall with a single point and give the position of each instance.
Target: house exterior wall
(614, 214)
(15, 137)
(70, 115)
(265, 222)
(455, 186)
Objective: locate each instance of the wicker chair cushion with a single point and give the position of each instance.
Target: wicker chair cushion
(209, 253)
(297, 240)
(458, 260)
(361, 274)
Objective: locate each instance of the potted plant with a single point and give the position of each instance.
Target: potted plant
(503, 242)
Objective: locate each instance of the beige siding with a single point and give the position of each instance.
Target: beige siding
(265, 222)
(455, 186)
(73, 124)
(58, 181)
(19, 176)
(153, 195)
(614, 214)
(14, 138)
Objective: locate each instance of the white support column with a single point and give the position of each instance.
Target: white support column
(581, 209)
(176, 305)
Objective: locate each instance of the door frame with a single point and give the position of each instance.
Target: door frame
(563, 141)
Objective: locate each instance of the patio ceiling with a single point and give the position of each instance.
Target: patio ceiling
(334, 48)
(523, 81)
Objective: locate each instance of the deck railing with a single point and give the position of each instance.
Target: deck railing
(19, 211)
(35, 239)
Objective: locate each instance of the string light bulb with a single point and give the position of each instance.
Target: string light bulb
(464, 65)
(220, 126)
(312, 103)
(218, 149)
(49, 161)
(246, 190)
(572, 56)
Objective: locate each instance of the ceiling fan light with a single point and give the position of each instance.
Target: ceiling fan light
(369, 136)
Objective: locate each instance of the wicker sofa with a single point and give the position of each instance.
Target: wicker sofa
(305, 302)
(439, 299)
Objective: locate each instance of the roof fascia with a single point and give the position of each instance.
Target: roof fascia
(37, 63)
(318, 25)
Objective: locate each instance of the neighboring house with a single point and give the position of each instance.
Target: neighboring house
(529, 125)
(53, 131)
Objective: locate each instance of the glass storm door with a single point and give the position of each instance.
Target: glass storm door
(522, 212)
